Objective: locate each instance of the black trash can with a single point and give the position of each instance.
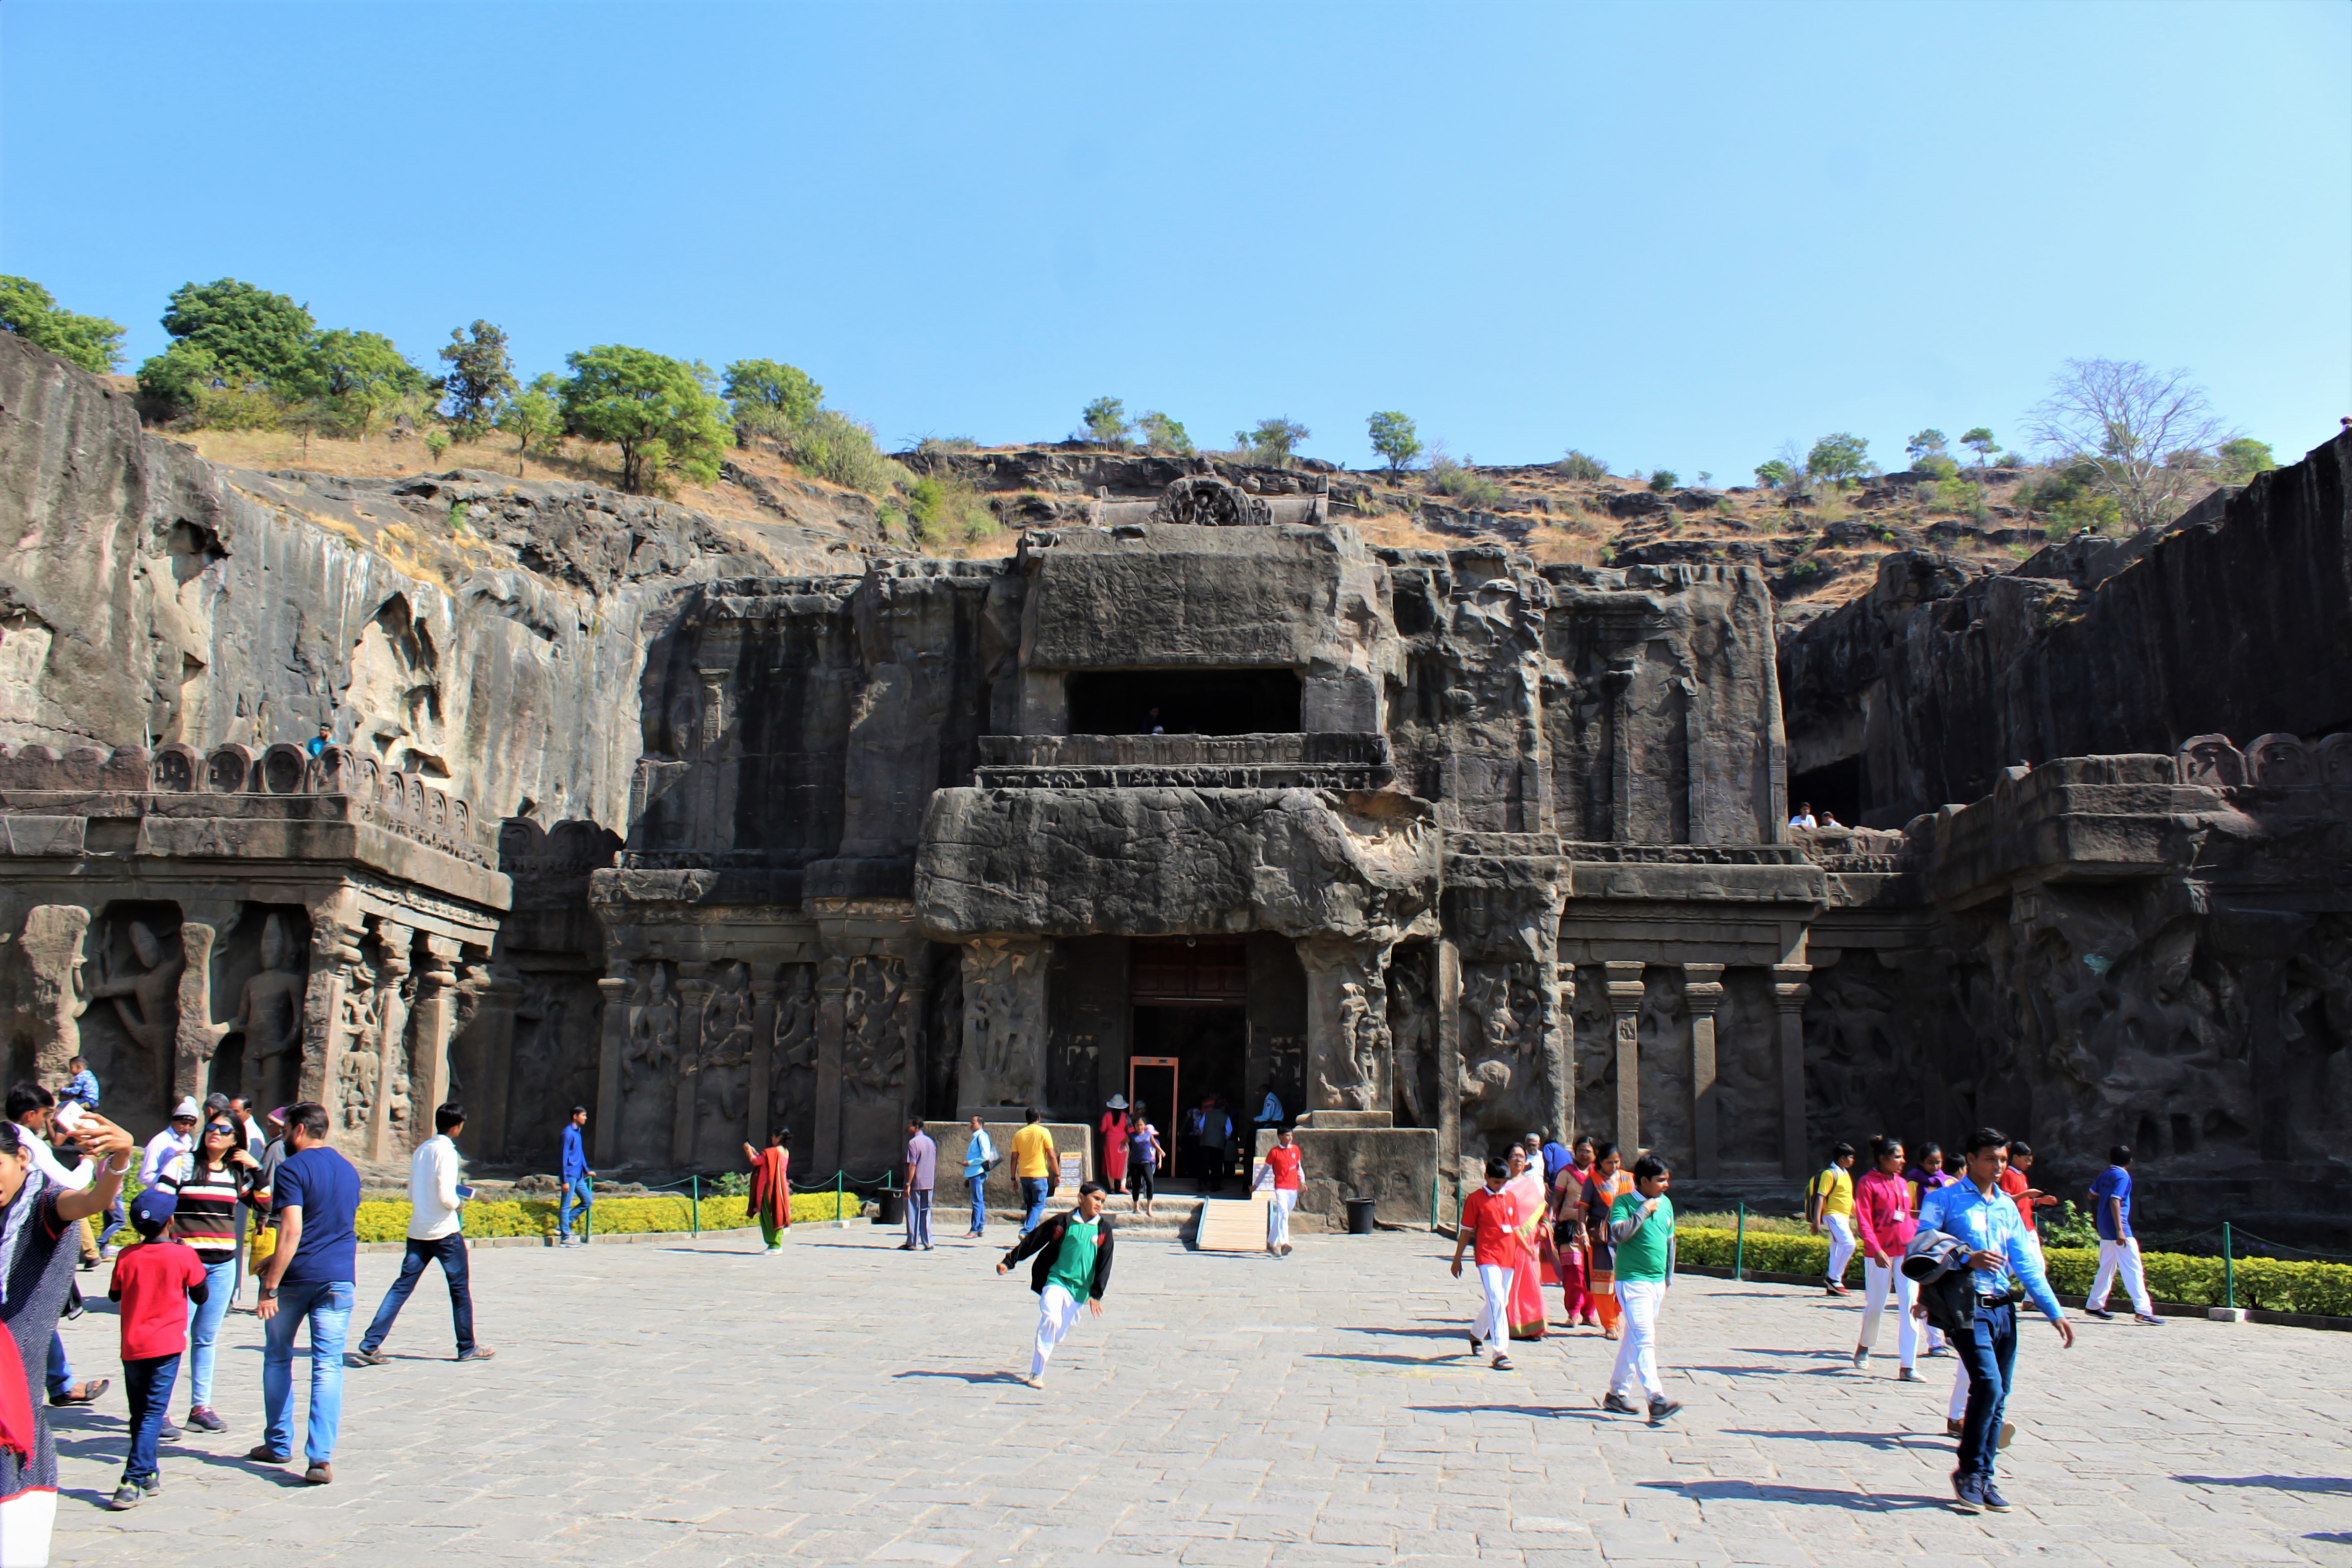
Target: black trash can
(1360, 1216)
(893, 1210)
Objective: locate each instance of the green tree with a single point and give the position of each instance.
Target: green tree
(2126, 424)
(1980, 441)
(361, 375)
(1664, 480)
(1925, 444)
(2242, 458)
(770, 397)
(1161, 434)
(1838, 459)
(1578, 465)
(480, 380)
(1273, 442)
(533, 416)
(232, 332)
(27, 310)
(661, 412)
(1105, 421)
(1394, 438)
(1775, 474)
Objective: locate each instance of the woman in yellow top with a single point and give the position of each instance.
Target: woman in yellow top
(1829, 1206)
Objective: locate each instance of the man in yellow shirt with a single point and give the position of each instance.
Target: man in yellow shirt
(1034, 1166)
(1829, 1206)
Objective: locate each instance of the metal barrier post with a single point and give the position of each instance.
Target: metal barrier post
(2228, 1270)
(1432, 1203)
(1739, 1244)
(836, 1196)
(697, 1201)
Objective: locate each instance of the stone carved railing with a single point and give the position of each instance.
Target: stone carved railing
(1852, 849)
(2273, 762)
(398, 802)
(567, 849)
(1321, 761)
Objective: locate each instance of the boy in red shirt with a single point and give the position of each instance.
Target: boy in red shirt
(154, 1280)
(1490, 1220)
(1282, 1169)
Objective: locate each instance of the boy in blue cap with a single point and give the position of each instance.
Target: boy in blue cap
(154, 1280)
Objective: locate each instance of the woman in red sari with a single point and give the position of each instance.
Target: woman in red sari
(1526, 1308)
(771, 1191)
(1573, 1261)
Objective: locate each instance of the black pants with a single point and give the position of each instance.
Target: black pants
(449, 1251)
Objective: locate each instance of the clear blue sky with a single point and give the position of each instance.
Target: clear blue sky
(1668, 235)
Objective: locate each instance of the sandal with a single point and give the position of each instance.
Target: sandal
(85, 1393)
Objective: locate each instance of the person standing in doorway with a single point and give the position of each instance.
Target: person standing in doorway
(206, 1204)
(579, 1181)
(1216, 1143)
(1281, 1173)
(771, 1188)
(921, 1173)
(437, 1233)
(1146, 1157)
(1607, 1183)
(1073, 1253)
(1113, 1128)
(1489, 1227)
(2111, 1197)
(979, 1159)
(315, 1198)
(1982, 1219)
(1882, 1215)
(1035, 1165)
(1829, 1206)
(1642, 1228)
(1269, 1112)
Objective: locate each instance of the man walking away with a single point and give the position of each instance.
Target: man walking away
(1073, 1252)
(922, 1170)
(2118, 1248)
(154, 1280)
(1034, 1166)
(315, 1197)
(1489, 1227)
(1829, 1206)
(437, 1233)
(1642, 1228)
(979, 1159)
(1281, 1172)
(1977, 1214)
(1881, 1212)
(579, 1181)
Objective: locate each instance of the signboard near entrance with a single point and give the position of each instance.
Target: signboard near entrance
(1074, 1171)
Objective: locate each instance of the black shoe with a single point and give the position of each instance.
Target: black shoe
(126, 1497)
(1993, 1497)
(1661, 1410)
(170, 1431)
(1617, 1403)
(1967, 1494)
(1475, 1342)
(367, 1357)
(2101, 1313)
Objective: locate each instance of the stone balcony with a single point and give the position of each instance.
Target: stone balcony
(1319, 760)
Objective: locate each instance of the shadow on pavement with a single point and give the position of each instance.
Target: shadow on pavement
(1885, 1442)
(1805, 1496)
(2275, 1483)
(964, 1376)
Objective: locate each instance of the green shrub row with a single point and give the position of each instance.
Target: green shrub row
(2273, 1284)
(387, 1220)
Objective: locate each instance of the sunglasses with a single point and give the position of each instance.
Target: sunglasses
(219, 1131)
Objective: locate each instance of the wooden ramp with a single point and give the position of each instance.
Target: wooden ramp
(1233, 1225)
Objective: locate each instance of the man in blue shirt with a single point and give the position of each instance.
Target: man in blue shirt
(1981, 1215)
(315, 1196)
(979, 1154)
(2111, 1197)
(579, 1181)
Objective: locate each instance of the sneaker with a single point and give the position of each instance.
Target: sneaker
(1617, 1403)
(205, 1418)
(126, 1496)
(319, 1474)
(1935, 1350)
(366, 1357)
(2101, 1313)
(1953, 1426)
(1967, 1494)
(1661, 1409)
(1837, 1289)
(263, 1454)
(1992, 1495)
(1861, 1357)
(170, 1430)
(480, 1353)
(2148, 1318)
(1905, 1375)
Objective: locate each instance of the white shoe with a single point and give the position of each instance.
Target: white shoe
(1034, 1382)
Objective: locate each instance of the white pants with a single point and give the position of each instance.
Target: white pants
(1959, 1402)
(1878, 1282)
(1493, 1324)
(1277, 1217)
(1841, 1231)
(2122, 1257)
(1057, 1313)
(1637, 1353)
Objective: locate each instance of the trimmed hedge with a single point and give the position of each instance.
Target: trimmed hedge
(387, 1220)
(2273, 1284)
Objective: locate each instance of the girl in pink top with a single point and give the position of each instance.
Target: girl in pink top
(1881, 1216)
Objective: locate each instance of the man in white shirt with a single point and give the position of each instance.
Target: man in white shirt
(169, 1146)
(1804, 817)
(436, 1233)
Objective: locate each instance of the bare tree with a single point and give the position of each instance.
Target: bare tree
(2148, 436)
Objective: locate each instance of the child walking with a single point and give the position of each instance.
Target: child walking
(154, 1280)
(1642, 1228)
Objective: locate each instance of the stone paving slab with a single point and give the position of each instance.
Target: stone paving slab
(846, 1403)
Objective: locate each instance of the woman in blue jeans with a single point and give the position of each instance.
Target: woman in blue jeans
(219, 1179)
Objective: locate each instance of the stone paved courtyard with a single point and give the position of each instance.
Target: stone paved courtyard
(844, 1403)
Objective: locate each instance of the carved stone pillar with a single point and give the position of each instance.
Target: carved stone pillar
(335, 958)
(615, 989)
(196, 1037)
(832, 1023)
(1446, 992)
(52, 948)
(1789, 992)
(436, 1012)
(494, 1030)
(710, 744)
(914, 1010)
(693, 989)
(1004, 1024)
(393, 963)
(1702, 994)
(763, 1057)
(1560, 1046)
(1349, 1063)
(1626, 1014)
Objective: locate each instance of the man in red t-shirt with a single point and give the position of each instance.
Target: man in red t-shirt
(1282, 1171)
(154, 1280)
(1490, 1224)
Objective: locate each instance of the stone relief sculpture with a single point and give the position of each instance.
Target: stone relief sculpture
(1354, 1082)
(873, 1045)
(1502, 1049)
(52, 946)
(146, 1001)
(269, 1014)
(792, 1081)
(725, 1047)
(1412, 1031)
(651, 1049)
(1003, 1021)
(357, 1076)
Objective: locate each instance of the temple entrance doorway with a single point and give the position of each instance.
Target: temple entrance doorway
(1189, 1037)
